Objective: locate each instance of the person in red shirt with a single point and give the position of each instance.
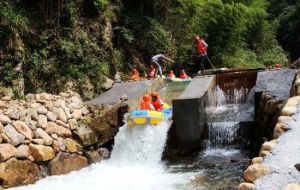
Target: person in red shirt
(152, 72)
(146, 104)
(201, 47)
(156, 101)
(183, 74)
(171, 74)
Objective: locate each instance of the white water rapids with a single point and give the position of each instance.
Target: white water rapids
(135, 164)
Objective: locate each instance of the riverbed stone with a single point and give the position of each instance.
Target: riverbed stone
(42, 110)
(72, 146)
(61, 144)
(51, 116)
(73, 124)
(59, 130)
(22, 128)
(33, 114)
(255, 171)
(257, 160)
(15, 138)
(7, 151)
(77, 114)
(1, 128)
(41, 152)
(292, 186)
(42, 122)
(264, 153)
(22, 151)
(284, 119)
(61, 123)
(107, 84)
(42, 134)
(87, 136)
(268, 146)
(13, 113)
(64, 163)
(4, 119)
(38, 141)
(18, 172)
(246, 186)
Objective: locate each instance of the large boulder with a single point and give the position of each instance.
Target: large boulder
(107, 84)
(87, 136)
(14, 137)
(59, 130)
(17, 172)
(64, 163)
(41, 152)
(7, 151)
(255, 171)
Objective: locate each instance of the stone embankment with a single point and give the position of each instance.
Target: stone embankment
(52, 135)
(276, 166)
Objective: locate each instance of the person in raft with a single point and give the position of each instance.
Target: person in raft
(156, 101)
(135, 75)
(171, 74)
(157, 59)
(152, 72)
(146, 104)
(183, 74)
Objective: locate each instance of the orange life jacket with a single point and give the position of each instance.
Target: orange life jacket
(146, 105)
(171, 75)
(136, 77)
(183, 75)
(201, 47)
(158, 104)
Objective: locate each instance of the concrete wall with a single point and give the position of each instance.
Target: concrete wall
(190, 114)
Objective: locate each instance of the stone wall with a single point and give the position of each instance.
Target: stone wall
(51, 135)
(258, 169)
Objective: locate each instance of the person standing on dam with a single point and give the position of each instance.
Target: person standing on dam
(201, 47)
(157, 59)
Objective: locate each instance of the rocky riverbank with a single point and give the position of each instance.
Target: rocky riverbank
(48, 134)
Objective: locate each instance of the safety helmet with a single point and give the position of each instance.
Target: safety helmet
(146, 97)
(154, 94)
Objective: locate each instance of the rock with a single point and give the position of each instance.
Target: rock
(64, 163)
(41, 152)
(61, 144)
(59, 130)
(5, 138)
(13, 114)
(23, 129)
(42, 134)
(51, 116)
(30, 123)
(279, 129)
(35, 105)
(107, 84)
(288, 110)
(1, 139)
(73, 124)
(44, 96)
(42, 110)
(84, 111)
(38, 141)
(54, 136)
(257, 160)
(293, 101)
(246, 186)
(67, 112)
(75, 103)
(6, 98)
(297, 166)
(98, 155)
(264, 153)
(4, 119)
(30, 97)
(33, 114)
(15, 138)
(87, 89)
(42, 121)
(61, 123)
(18, 172)
(268, 146)
(55, 146)
(292, 186)
(2, 128)
(284, 119)
(87, 136)
(124, 97)
(7, 151)
(104, 153)
(72, 146)
(22, 152)
(77, 114)
(255, 171)
(61, 114)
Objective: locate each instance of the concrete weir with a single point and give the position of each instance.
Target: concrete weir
(190, 113)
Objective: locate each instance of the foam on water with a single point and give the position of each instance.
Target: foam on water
(135, 164)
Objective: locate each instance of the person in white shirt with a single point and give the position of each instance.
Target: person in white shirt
(157, 59)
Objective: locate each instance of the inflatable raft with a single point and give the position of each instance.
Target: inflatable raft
(146, 117)
(169, 79)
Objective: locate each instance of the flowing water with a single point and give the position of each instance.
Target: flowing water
(136, 164)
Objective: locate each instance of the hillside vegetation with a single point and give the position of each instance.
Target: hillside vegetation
(47, 43)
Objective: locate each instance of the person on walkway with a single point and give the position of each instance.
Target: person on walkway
(156, 101)
(183, 74)
(201, 47)
(146, 104)
(171, 74)
(152, 72)
(157, 59)
(135, 75)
